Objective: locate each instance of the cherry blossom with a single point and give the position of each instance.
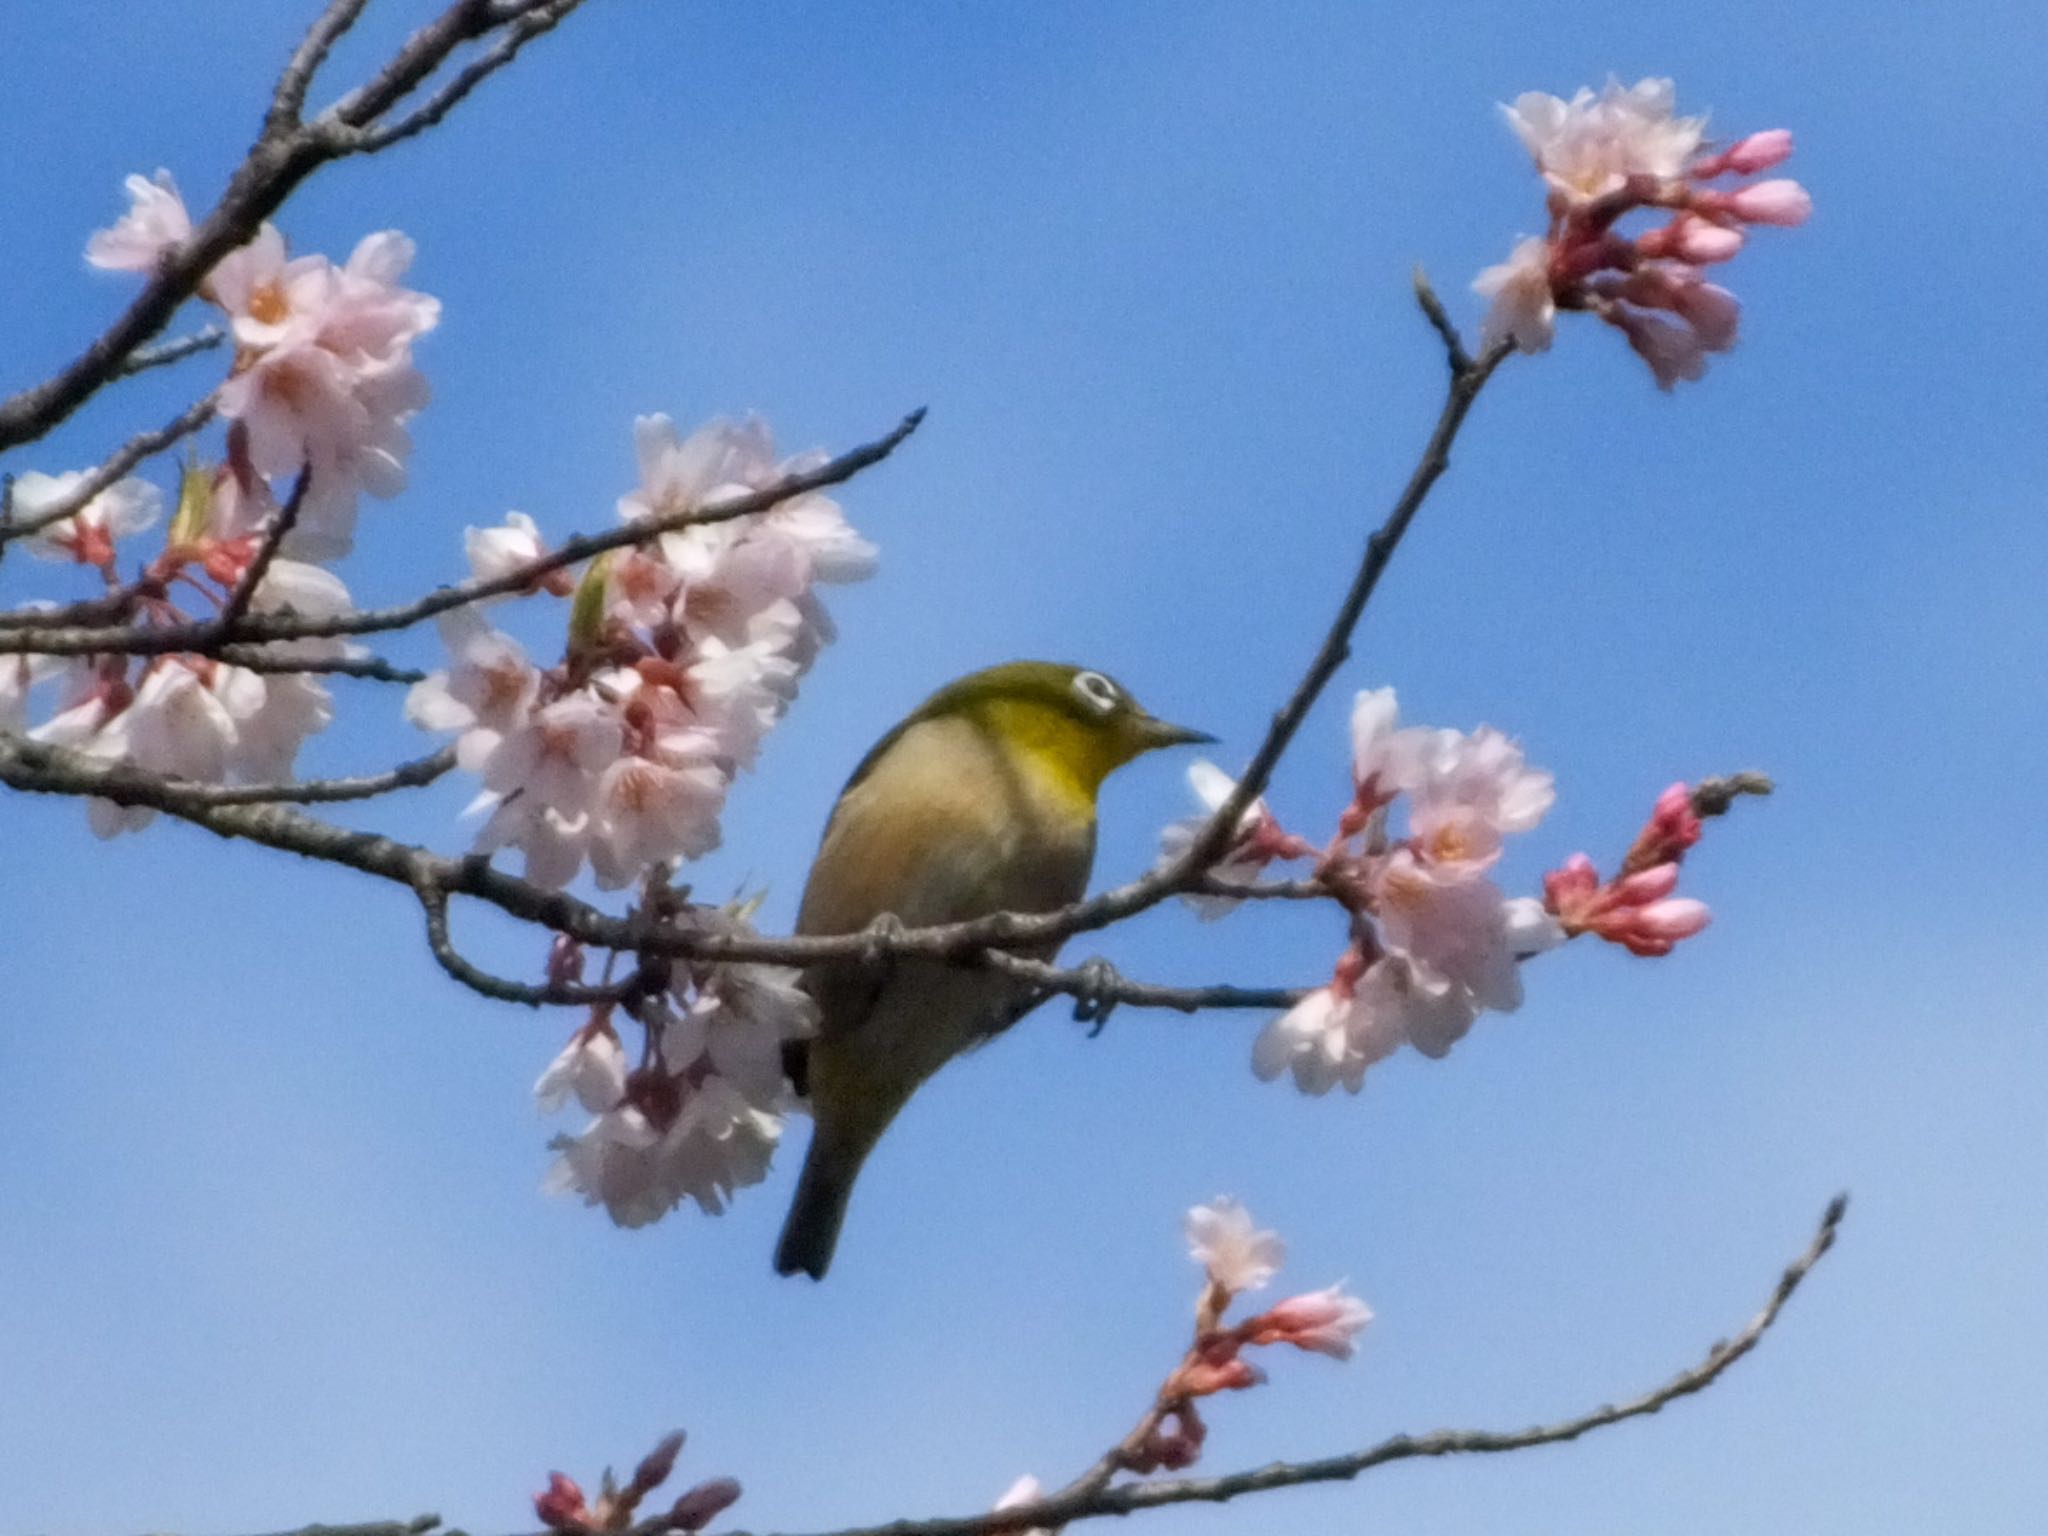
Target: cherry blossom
(703, 1114)
(681, 654)
(155, 222)
(1259, 841)
(1235, 1255)
(323, 380)
(1606, 155)
(1326, 1322)
(87, 536)
(511, 545)
(591, 1069)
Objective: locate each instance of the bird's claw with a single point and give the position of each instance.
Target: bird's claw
(1096, 998)
(878, 936)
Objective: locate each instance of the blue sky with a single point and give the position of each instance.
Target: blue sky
(274, 1247)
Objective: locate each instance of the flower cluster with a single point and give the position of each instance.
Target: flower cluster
(183, 715)
(683, 651)
(702, 1112)
(563, 1506)
(1636, 908)
(322, 381)
(1236, 1258)
(1434, 941)
(1603, 156)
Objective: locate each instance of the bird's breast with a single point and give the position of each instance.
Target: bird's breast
(948, 825)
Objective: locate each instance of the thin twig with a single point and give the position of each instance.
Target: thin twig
(237, 605)
(285, 154)
(175, 351)
(420, 771)
(289, 99)
(207, 636)
(1129, 1498)
(371, 668)
(434, 904)
(126, 457)
(503, 51)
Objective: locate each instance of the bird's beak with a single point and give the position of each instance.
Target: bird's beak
(1164, 733)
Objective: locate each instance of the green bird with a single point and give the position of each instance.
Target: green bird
(983, 800)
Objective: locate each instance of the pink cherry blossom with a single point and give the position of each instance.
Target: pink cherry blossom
(156, 221)
(1603, 157)
(87, 536)
(1332, 1035)
(1326, 1321)
(1596, 144)
(647, 812)
(323, 379)
(1259, 841)
(487, 693)
(1523, 307)
(1236, 1256)
(508, 547)
(591, 1069)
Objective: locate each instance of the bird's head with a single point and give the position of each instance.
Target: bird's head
(1075, 719)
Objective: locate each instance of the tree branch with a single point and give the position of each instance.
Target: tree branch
(1129, 1498)
(434, 904)
(285, 154)
(1089, 1499)
(208, 636)
(131, 453)
(415, 774)
(174, 351)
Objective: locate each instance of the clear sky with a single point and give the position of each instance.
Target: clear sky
(271, 1246)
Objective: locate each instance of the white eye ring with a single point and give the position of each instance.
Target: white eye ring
(1096, 691)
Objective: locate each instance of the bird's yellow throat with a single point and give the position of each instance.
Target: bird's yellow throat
(1067, 755)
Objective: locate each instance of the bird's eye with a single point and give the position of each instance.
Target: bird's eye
(1096, 691)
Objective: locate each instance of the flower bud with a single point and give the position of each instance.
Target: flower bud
(704, 1504)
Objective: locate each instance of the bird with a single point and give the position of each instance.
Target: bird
(981, 800)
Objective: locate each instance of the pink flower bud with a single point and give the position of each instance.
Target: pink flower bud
(1703, 241)
(655, 1466)
(1645, 886)
(560, 1506)
(704, 1504)
(1325, 1321)
(1670, 921)
(1784, 203)
(1204, 1377)
(1568, 890)
(1747, 156)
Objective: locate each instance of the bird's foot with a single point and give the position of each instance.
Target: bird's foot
(1097, 996)
(878, 937)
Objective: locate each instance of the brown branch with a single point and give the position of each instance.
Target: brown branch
(1090, 1499)
(131, 453)
(1088, 1503)
(415, 774)
(1467, 378)
(205, 637)
(372, 668)
(434, 904)
(175, 351)
(289, 99)
(286, 152)
(237, 605)
(528, 25)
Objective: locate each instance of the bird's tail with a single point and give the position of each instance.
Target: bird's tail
(812, 1230)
